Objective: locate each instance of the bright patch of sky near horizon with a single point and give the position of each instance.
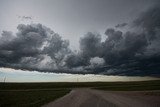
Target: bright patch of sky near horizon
(12, 75)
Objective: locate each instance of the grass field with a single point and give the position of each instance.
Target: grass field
(37, 94)
(31, 98)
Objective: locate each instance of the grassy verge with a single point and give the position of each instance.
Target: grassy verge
(31, 98)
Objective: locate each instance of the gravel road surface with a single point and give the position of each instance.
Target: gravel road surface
(97, 98)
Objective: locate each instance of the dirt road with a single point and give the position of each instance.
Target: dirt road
(96, 98)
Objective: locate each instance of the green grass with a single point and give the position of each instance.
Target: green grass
(37, 94)
(31, 98)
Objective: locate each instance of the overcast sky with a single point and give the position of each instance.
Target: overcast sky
(71, 18)
(107, 37)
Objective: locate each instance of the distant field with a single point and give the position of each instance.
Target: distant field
(36, 94)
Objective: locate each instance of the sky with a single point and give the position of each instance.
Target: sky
(71, 18)
(103, 37)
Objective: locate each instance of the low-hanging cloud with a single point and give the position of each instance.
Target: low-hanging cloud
(135, 52)
(33, 47)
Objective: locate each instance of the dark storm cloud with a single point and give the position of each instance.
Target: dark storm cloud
(135, 52)
(76, 60)
(90, 46)
(32, 46)
(128, 53)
